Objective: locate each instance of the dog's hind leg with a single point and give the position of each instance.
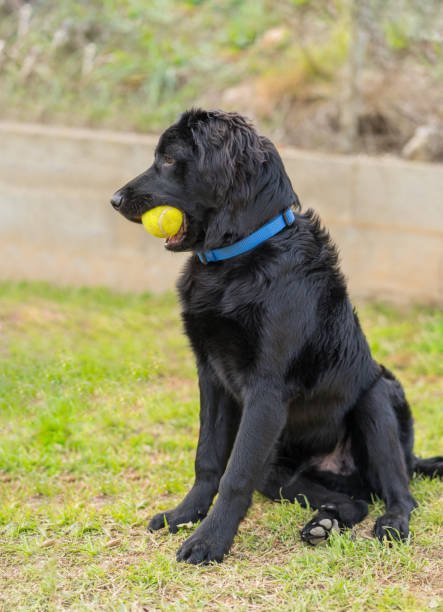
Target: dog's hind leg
(376, 435)
(432, 466)
(336, 511)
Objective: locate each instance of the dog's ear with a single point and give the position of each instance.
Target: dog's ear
(241, 170)
(229, 154)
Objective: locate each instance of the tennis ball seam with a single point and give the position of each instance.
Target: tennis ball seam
(159, 222)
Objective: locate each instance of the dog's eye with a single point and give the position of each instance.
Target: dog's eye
(168, 160)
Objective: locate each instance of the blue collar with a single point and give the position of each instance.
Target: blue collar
(266, 231)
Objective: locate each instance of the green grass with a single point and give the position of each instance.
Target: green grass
(98, 426)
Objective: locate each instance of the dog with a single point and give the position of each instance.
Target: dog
(292, 403)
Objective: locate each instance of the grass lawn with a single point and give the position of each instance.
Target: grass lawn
(98, 425)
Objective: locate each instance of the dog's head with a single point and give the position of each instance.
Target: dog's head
(214, 167)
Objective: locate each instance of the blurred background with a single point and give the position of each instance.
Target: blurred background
(350, 90)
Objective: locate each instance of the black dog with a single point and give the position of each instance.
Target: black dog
(292, 402)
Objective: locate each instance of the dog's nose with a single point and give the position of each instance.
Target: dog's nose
(117, 200)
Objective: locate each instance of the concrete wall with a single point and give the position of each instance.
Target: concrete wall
(56, 223)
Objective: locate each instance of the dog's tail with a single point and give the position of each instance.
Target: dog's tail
(432, 467)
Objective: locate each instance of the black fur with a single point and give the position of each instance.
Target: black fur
(292, 402)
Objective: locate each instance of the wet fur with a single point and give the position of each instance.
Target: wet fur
(292, 402)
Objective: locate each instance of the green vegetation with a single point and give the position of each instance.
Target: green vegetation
(137, 65)
(134, 64)
(98, 426)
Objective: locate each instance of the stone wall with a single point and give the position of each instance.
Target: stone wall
(56, 223)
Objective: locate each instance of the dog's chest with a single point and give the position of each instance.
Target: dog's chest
(227, 343)
(223, 323)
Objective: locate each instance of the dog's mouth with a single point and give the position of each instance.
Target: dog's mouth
(175, 242)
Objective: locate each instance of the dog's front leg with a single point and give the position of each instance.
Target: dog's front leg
(219, 417)
(262, 421)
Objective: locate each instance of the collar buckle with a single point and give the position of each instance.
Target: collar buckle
(288, 216)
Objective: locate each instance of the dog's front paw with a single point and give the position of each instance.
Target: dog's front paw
(173, 519)
(160, 520)
(392, 527)
(203, 547)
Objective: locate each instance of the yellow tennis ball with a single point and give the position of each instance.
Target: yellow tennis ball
(163, 221)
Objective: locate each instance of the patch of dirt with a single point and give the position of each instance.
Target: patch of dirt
(395, 102)
(32, 313)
